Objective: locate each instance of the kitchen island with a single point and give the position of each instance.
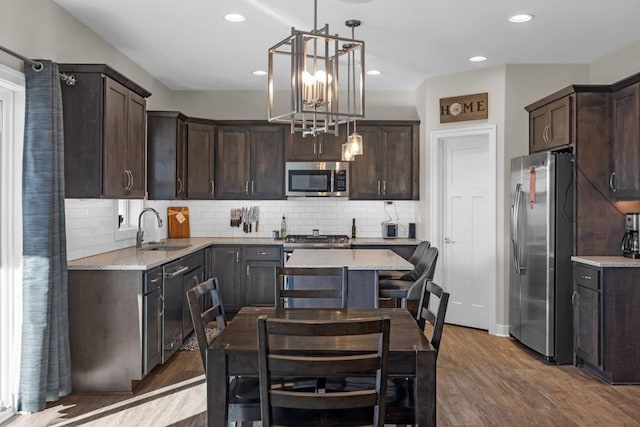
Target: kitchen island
(363, 266)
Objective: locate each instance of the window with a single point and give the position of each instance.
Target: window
(11, 133)
(126, 212)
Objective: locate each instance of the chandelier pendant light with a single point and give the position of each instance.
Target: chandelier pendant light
(304, 80)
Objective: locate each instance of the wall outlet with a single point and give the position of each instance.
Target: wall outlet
(388, 202)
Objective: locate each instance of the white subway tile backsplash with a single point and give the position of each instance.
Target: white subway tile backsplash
(91, 222)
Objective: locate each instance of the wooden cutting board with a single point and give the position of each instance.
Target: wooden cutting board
(178, 222)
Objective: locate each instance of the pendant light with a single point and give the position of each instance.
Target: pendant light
(305, 84)
(355, 139)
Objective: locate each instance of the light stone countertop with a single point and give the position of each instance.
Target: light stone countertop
(607, 261)
(354, 259)
(132, 258)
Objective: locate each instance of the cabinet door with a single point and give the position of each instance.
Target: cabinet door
(397, 179)
(587, 325)
(233, 170)
(226, 265)
(181, 161)
(626, 145)
(365, 178)
(115, 179)
(152, 333)
(200, 156)
(135, 147)
(260, 283)
(537, 129)
(267, 162)
(330, 145)
(301, 148)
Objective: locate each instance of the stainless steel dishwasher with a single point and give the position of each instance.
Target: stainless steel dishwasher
(179, 277)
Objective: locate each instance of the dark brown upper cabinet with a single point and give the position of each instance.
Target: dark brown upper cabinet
(200, 159)
(550, 126)
(389, 167)
(166, 155)
(104, 134)
(250, 162)
(625, 177)
(324, 147)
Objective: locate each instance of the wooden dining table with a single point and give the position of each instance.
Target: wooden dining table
(235, 352)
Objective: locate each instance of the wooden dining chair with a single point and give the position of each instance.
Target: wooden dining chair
(282, 405)
(324, 287)
(243, 392)
(401, 403)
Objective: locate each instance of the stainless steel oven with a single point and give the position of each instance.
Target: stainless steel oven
(317, 179)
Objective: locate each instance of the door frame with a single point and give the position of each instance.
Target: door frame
(438, 139)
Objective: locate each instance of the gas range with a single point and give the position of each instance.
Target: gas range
(322, 241)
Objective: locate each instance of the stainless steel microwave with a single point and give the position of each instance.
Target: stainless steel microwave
(317, 179)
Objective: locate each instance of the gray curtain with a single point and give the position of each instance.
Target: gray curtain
(45, 369)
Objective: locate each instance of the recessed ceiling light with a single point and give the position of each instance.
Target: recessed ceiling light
(521, 17)
(234, 17)
(478, 58)
(374, 73)
(259, 73)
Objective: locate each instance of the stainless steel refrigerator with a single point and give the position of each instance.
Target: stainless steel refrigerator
(542, 242)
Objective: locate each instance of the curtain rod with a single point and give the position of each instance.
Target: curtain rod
(37, 66)
(70, 80)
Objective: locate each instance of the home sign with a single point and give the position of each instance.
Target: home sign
(464, 107)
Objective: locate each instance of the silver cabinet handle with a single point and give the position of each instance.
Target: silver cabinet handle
(584, 276)
(320, 148)
(612, 181)
(253, 186)
(162, 306)
(132, 180)
(378, 187)
(247, 270)
(180, 186)
(126, 179)
(314, 148)
(262, 253)
(196, 280)
(573, 298)
(156, 279)
(237, 256)
(545, 134)
(384, 186)
(177, 272)
(212, 187)
(246, 187)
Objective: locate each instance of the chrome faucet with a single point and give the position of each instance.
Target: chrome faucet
(140, 233)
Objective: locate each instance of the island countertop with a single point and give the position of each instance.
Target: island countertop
(353, 259)
(607, 261)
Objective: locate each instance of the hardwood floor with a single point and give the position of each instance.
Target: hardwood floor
(482, 381)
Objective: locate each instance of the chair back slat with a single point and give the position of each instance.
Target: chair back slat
(427, 314)
(200, 318)
(334, 294)
(337, 361)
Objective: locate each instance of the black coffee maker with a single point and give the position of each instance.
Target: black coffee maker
(630, 243)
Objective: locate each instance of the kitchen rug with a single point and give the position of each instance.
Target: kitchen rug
(192, 342)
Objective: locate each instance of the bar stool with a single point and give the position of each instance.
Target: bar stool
(409, 286)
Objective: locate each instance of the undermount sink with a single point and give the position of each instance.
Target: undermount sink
(162, 247)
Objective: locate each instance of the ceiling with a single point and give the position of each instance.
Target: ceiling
(187, 45)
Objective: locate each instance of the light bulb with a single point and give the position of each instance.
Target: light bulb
(347, 155)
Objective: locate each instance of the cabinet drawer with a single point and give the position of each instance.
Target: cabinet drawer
(587, 276)
(194, 260)
(266, 253)
(153, 280)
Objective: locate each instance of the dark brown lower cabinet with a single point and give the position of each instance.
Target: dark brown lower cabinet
(606, 304)
(245, 274)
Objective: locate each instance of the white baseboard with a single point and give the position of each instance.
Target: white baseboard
(501, 331)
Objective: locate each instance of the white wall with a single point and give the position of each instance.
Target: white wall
(616, 65)
(252, 105)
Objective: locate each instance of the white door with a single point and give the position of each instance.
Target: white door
(466, 221)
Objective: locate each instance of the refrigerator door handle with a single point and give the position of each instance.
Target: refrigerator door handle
(515, 227)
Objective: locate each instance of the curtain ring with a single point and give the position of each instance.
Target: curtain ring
(37, 67)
